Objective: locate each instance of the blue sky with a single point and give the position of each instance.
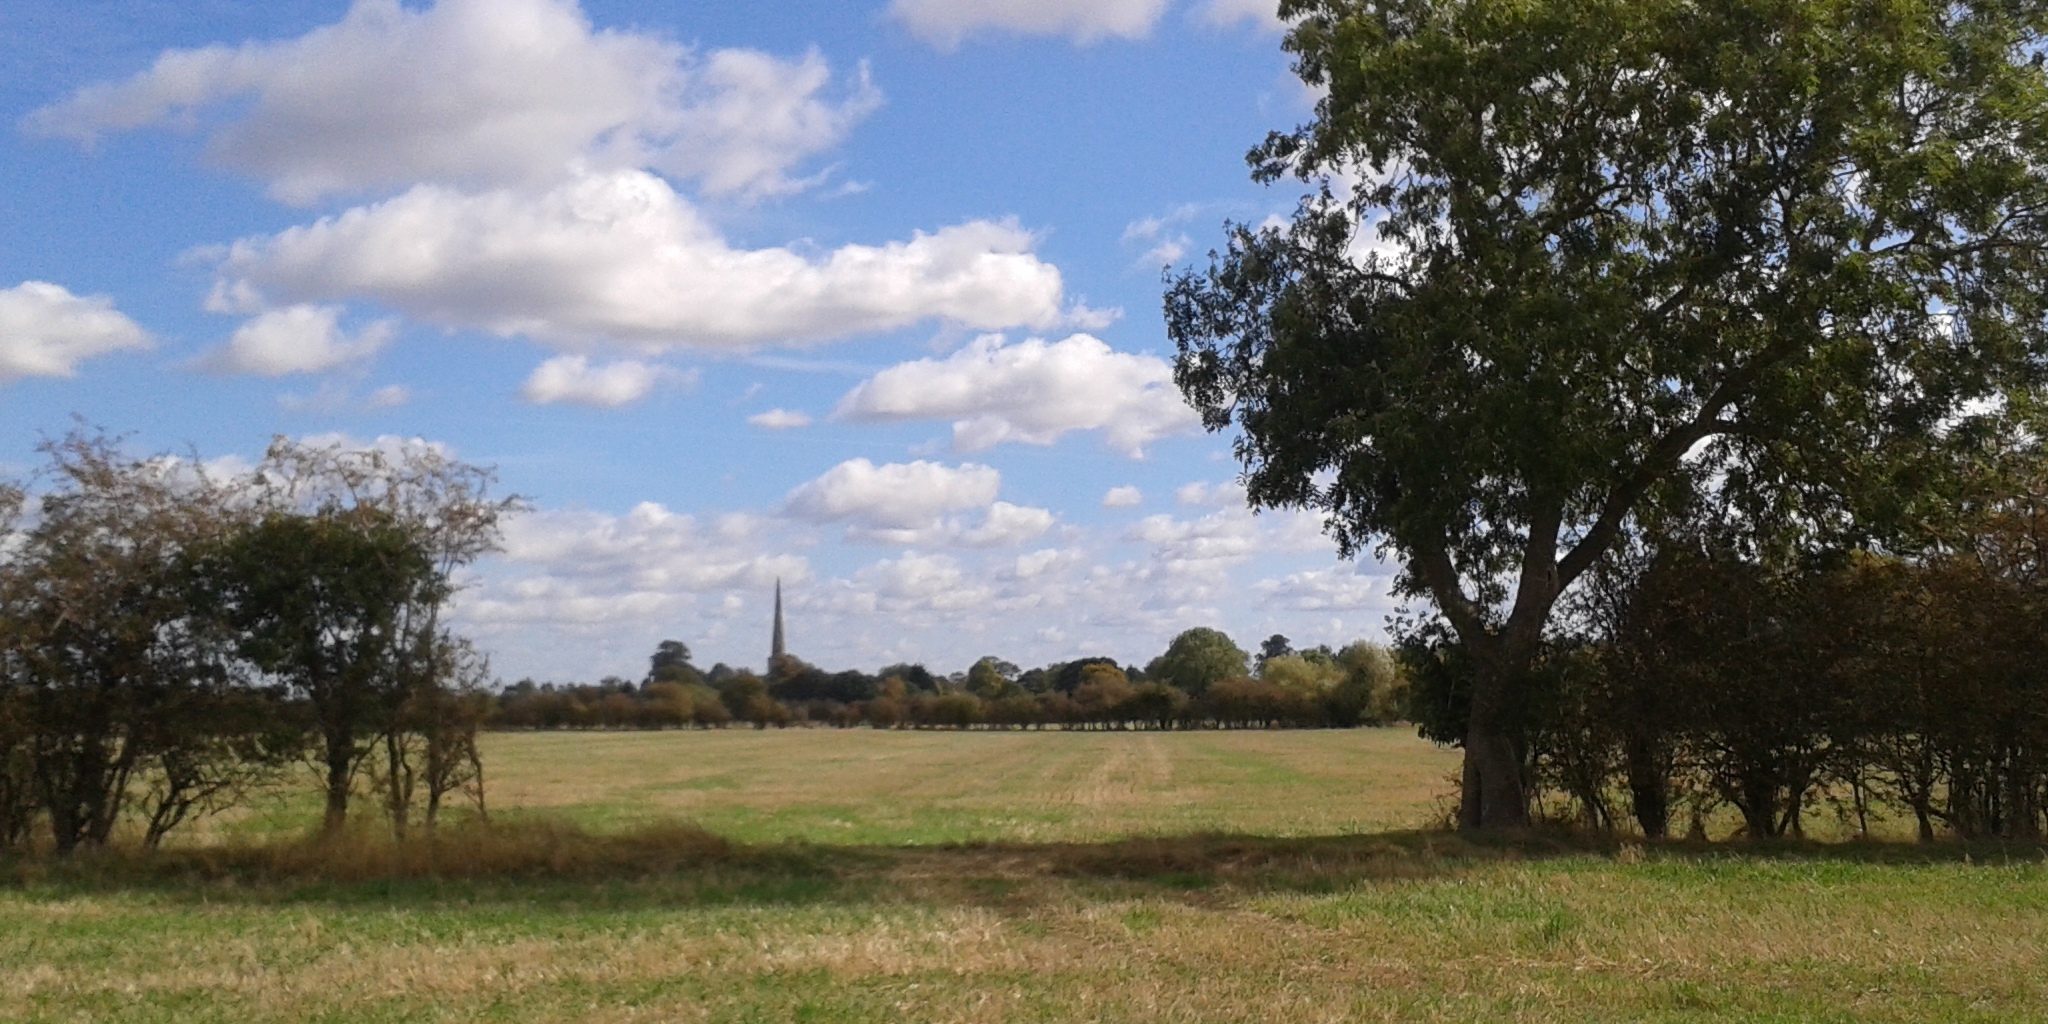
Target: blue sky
(860, 294)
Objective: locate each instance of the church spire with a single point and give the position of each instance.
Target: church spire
(775, 650)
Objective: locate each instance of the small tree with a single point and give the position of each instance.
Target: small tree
(318, 602)
(107, 676)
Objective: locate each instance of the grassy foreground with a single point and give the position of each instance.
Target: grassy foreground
(1056, 877)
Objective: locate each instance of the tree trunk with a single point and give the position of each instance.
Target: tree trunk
(397, 784)
(1494, 794)
(1649, 789)
(340, 757)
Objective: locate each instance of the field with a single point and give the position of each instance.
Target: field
(861, 876)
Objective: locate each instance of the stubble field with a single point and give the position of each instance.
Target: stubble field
(863, 876)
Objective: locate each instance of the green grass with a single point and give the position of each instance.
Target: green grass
(1012, 877)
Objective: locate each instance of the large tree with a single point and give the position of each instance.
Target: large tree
(1568, 262)
(1197, 659)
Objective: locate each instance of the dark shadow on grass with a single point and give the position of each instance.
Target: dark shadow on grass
(554, 866)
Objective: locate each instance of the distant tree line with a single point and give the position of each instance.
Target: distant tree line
(1202, 681)
(1715, 666)
(173, 640)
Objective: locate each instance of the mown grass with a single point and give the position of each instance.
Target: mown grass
(1099, 878)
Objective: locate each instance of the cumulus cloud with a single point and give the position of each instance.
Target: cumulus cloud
(1333, 589)
(1229, 494)
(574, 380)
(918, 582)
(754, 115)
(478, 92)
(946, 23)
(592, 569)
(1123, 497)
(297, 339)
(894, 496)
(1031, 392)
(1208, 539)
(1002, 525)
(1229, 535)
(621, 258)
(45, 331)
(780, 419)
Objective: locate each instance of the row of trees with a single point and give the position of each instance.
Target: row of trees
(172, 639)
(1203, 680)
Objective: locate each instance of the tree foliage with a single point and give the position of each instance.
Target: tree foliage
(1198, 658)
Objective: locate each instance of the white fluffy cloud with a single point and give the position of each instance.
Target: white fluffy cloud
(945, 23)
(582, 569)
(621, 258)
(574, 380)
(755, 115)
(894, 496)
(479, 92)
(297, 339)
(1032, 392)
(1002, 525)
(1123, 497)
(45, 331)
(780, 419)
(1211, 538)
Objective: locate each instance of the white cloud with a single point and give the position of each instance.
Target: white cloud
(390, 396)
(754, 115)
(1229, 494)
(1045, 561)
(917, 582)
(1032, 392)
(1165, 253)
(584, 570)
(1163, 237)
(1263, 14)
(780, 419)
(1210, 538)
(1002, 525)
(1337, 588)
(573, 380)
(1231, 534)
(45, 331)
(945, 23)
(622, 258)
(1123, 497)
(894, 496)
(478, 92)
(297, 339)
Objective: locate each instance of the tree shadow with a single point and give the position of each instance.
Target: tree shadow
(675, 866)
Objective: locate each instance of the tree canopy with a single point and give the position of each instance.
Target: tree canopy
(1196, 659)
